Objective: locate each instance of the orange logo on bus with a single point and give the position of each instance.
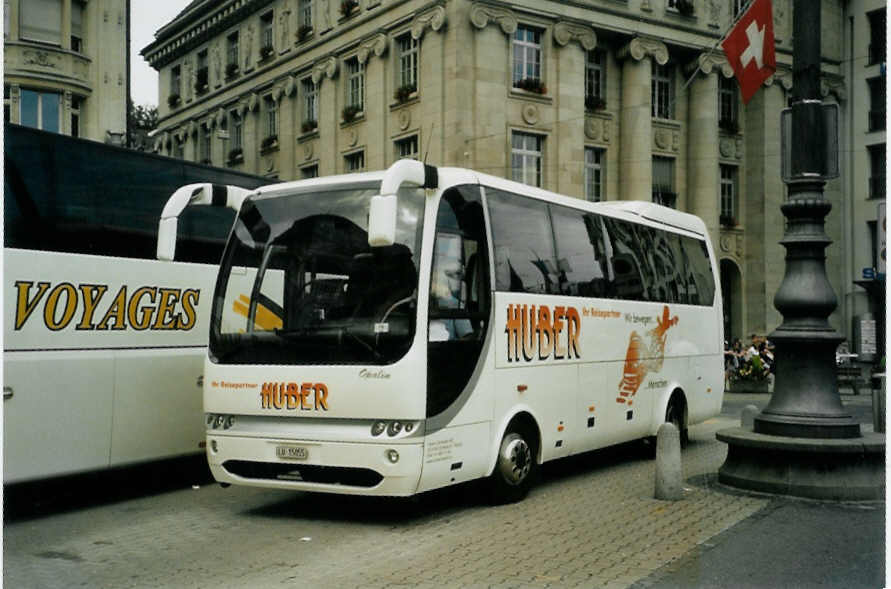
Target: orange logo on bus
(290, 395)
(539, 332)
(643, 358)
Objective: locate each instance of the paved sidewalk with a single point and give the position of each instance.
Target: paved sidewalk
(592, 522)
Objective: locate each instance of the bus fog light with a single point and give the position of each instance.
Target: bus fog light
(393, 456)
(378, 428)
(394, 428)
(409, 427)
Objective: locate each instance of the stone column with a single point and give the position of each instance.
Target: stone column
(635, 118)
(66, 24)
(570, 99)
(251, 135)
(329, 115)
(703, 177)
(376, 102)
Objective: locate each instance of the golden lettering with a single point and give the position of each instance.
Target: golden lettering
(24, 307)
(51, 308)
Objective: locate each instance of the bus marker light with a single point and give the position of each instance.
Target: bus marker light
(393, 456)
(521, 388)
(378, 428)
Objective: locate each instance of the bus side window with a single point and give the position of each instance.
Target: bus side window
(581, 262)
(626, 261)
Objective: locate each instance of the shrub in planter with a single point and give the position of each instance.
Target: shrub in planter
(308, 126)
(234, 155)
(404, 92)
(347, 7)
(349, 112)
(594, 103)
(266, 51)
(727, 221)
(303, 32)
(231, 69)
(531, 85)
(269, 142)
(173, 100)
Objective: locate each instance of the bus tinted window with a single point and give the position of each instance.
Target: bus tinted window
(525, 260)
(581, 257)
(699, 278)
(632, 278)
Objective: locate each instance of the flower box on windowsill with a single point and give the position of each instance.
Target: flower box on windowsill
(594, 103)
(727, 222)
(231, 70)
(236, 156)
(730, 126)
(348, 7)
(304, 33)
(533, 85)
(309, 126)
(350, 113)
(269, 144)
(685, 7)
(173, 100)
(266, 52)
(405, 93)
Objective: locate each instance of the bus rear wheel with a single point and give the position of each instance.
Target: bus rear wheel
(515, 468)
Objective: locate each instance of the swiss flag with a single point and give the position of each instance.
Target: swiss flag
(750, 48)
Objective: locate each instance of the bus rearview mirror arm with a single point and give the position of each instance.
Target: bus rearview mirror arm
(193, 194)
(382, 209)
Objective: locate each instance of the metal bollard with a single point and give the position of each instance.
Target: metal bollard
(668, 463)
(747, 417)
(878, 403)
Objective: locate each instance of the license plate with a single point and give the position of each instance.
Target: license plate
(292, 452)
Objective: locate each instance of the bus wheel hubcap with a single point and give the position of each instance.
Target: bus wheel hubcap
(515, 459)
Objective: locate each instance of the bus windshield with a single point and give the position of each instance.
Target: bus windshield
(299, 283)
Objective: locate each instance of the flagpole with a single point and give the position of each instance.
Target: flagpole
(711, 49)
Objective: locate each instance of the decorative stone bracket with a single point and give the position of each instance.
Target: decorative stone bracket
(481, 14)
(708, 62)
(325, 68)
(641, 47)
(564, 33)
(434, 19)
(376, 44)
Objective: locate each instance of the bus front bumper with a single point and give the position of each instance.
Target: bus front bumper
(304, 465)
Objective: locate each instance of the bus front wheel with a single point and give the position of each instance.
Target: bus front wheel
(515, 468)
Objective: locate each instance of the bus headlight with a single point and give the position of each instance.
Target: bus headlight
(219, 422)
(393, 456)
(394, 429)
(378, 428)
(230, 421)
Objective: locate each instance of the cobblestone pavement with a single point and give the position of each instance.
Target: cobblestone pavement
(591, 522)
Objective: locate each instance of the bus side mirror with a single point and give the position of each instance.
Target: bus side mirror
(382, 221)
(167, 239)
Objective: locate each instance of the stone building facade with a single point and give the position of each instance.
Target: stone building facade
(597, 99)
(65, 66)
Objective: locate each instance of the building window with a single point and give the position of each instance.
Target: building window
(201, 73)
(355, 88)
(595, 79)
(407, 148)
(267, 47)
(310, 105)
(876, 170)
(526, 154)
(7, 112)
(179, 148)
(40, 110)
(663, 181)
(877, 24)
(310, 171)
(204, 144)
(354, 162)
(304, 16)
(77, 26)
(739, 6)
(41, 21)
(684, 7)
(407, 82)
(271, 115)
(876, 103)
(594, 173)
(662, 91)
(527, 59)
(232, 54)
(236, 127)
(728, 117)
(728, 196)
(76, 102)
(175, 86)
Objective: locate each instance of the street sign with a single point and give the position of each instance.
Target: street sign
(869, 274)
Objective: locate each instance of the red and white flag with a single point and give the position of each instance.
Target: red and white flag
(749, 48)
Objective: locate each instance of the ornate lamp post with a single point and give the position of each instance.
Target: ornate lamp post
(804, 442)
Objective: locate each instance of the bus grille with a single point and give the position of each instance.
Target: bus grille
(305, 473)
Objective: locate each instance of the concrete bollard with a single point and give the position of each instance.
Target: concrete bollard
(668, 463)
(747, 417)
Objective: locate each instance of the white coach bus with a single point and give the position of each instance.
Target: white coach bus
(103, 345)
(391, 333)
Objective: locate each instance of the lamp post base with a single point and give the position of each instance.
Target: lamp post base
(829, 469)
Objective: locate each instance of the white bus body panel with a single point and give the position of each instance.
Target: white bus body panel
(81, 370)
